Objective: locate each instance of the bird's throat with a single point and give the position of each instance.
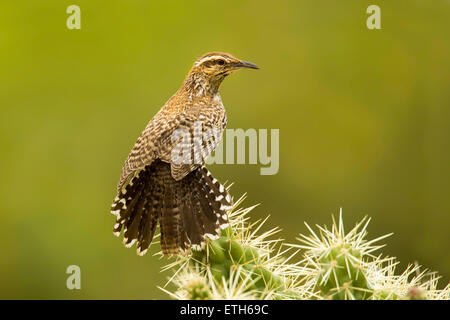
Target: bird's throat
(199, 85)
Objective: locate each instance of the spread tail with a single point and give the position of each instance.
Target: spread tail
(188, 210)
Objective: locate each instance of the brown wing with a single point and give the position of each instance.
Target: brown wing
(204, 126)
(146, 148)
(156, 141)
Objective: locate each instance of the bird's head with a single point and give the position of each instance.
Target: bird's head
(213, 67)
(220, 64)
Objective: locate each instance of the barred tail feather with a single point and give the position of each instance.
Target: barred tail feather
(171, 225)
(188, 211)
(212, 202)
(136, 209)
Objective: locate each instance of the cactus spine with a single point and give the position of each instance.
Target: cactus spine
(330, 264)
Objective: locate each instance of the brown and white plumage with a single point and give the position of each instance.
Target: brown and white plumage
(184, 198)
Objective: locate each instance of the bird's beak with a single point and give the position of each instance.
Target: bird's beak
(245, 64)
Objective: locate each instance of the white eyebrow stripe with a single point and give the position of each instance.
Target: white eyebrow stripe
(210, 58)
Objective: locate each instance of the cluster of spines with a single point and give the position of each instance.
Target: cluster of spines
(226, 254)
(341, 266)
(334, 265)
(238, 264)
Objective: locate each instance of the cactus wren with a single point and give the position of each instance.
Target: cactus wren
(188, 202)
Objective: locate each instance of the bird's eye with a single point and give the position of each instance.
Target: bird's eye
(220, 62)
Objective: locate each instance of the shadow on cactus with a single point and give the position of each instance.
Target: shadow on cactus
(247, 263)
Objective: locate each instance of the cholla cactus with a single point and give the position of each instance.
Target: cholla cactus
(240, 264)
(412, 284)
(243, 264)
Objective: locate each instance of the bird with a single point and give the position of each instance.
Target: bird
(164, 179)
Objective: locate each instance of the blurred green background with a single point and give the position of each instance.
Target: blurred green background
(363, 116)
